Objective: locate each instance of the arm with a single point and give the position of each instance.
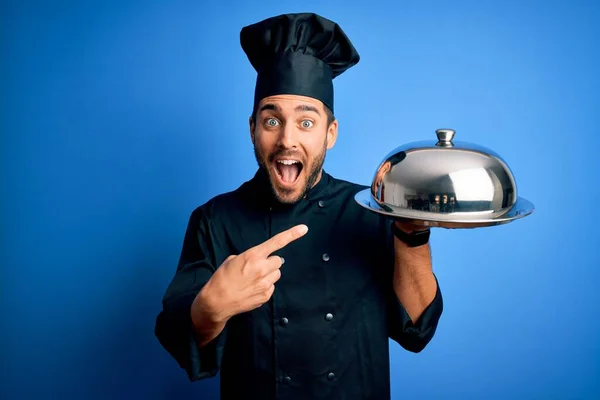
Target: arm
(414, 282)
(417, 302)
(206, 323)
(197, 348)
(201, 298)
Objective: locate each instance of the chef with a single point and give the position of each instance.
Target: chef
(285, 285)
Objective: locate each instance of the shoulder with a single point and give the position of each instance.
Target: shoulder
(344, 192)
(374, 227)
(341, 186)
(221, 204)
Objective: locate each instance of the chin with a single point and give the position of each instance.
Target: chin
(288, 198)
(287, 187)
(288, 194)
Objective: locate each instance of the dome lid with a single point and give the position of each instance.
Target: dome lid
(445, 183)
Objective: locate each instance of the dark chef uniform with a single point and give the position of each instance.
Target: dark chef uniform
(324, 333)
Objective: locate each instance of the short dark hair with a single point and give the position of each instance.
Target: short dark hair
(328, 112)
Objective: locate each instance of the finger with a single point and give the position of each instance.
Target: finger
(264, 291)
(280, 240)
(268, 294)
(273, 263)
(273, 276)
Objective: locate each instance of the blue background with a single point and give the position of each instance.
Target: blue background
(118, 118)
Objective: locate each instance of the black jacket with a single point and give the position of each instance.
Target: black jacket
(324, 334)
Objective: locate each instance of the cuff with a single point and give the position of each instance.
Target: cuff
(205, 362)
(414, 336)
(175, 332)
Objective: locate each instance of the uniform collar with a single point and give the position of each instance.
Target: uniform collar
(260, 188)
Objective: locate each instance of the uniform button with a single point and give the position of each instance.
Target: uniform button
(321, 203)
(283, 321)
(328, 316)
(331, 376)
(287, 379)
(325, 257)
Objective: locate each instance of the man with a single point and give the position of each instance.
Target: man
(286, 285)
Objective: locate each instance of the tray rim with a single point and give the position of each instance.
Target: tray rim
(521, 209)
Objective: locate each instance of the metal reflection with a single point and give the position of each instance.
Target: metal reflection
(444, 180)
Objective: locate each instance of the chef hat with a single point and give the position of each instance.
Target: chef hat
(297, 54)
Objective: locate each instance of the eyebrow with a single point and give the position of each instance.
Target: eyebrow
(305, 107)
(300, 108)
(269, 106)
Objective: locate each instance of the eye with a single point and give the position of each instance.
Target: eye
(271, 122)
(307, 124)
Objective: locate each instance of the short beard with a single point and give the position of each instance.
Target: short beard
(313, 175)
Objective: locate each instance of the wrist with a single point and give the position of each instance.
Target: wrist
(410, 228)
(411, 235)
(207, 307)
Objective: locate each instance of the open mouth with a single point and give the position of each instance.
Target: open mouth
(288, 170)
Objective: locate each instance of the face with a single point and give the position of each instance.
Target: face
(384, 169)
(291, 137)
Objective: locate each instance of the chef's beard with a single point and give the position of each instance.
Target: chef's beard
(314, 167)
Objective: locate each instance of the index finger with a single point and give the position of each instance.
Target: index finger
(281, 240)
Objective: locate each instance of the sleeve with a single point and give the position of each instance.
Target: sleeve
(173, 327)
(412, 336)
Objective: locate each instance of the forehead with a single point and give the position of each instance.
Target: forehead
(291, 104)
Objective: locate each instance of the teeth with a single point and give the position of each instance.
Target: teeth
(288, 162)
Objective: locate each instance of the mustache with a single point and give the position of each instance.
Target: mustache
(285, 153)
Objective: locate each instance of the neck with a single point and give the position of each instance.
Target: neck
(318, 178)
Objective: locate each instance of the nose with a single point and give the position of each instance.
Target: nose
(288, 136)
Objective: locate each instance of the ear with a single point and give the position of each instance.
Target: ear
(251, 123)
(332, 133)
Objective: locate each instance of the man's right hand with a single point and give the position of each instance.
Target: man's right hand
(245, 281)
